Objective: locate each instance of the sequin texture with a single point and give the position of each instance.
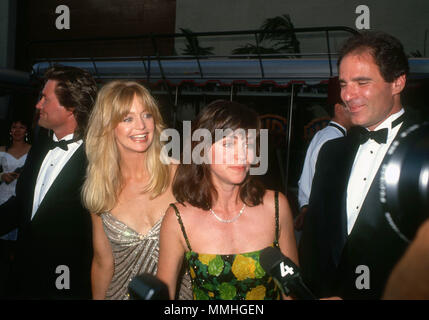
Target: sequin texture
(134, 254)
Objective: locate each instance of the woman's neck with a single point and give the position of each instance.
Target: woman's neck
(133, 166)
(18, 144)
(227, 197)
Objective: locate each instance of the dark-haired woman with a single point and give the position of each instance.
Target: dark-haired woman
(224, 217)
(12, 158)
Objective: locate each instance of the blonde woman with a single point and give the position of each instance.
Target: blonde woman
(127, 189)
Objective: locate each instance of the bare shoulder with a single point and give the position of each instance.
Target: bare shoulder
(176, 209)
(3, 148)
(283, 203)
(170, 223)
(184, 209)
(169, 214)
(269, 198)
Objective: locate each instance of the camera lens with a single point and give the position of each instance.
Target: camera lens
(404, 182)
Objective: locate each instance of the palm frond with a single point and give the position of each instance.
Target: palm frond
(193, 46)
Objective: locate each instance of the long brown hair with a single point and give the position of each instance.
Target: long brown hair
(192, 182)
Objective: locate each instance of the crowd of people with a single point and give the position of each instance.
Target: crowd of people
(99, 202)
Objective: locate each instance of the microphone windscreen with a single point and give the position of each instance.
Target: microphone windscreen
(147, 287)
(269, 257)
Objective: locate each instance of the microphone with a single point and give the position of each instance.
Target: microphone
(147, 287)
(285, 273)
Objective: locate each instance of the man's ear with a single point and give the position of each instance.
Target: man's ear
(399, 84)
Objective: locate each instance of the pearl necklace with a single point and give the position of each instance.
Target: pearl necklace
(230, 220)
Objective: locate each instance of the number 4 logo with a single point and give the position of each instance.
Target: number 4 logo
(285, 270)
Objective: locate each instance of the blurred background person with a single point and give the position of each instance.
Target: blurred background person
(12, 159)
(224, 217)
(336, 128)
(127, 189)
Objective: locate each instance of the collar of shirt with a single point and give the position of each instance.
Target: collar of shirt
(337, 124)
(332, 121)
(388, 123)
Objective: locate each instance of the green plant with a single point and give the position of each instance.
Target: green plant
(279, 33)
(193, 46)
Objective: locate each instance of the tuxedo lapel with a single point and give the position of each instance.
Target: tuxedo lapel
(339, 231)
(69, 178)
(27, 182)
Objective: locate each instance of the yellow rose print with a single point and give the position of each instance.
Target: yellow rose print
(257, 293)
(206, 258)
(243, 267)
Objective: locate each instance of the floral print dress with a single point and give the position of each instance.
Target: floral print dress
(230, 277)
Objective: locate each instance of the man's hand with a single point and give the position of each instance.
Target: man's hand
(9, 177)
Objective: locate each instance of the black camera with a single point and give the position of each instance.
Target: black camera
(404, 181)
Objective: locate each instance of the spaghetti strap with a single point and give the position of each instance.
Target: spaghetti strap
(179, 218)
(276, 201)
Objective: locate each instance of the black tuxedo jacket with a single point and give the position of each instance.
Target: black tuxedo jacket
(330, 258)
(60, 234)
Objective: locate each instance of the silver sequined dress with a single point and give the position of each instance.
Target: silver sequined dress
(134, 254)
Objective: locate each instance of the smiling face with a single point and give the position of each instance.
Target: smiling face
(135, 132)
(368, 97)
(231, 158)
(18, 131)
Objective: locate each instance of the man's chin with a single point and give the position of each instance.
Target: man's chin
(358, 121)
(43, 124)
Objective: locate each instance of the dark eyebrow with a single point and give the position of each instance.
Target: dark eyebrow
(361, 79)
(356, 79)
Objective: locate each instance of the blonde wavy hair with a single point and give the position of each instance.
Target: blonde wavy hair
(104, 181)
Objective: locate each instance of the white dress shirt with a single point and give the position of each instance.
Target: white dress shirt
(52, 165)
(365, 166)
(306, 179)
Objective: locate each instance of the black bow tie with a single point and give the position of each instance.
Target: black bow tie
(61, 144)
(379, 136)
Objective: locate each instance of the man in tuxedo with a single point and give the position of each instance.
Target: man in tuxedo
(54, 246)
(348, 248)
